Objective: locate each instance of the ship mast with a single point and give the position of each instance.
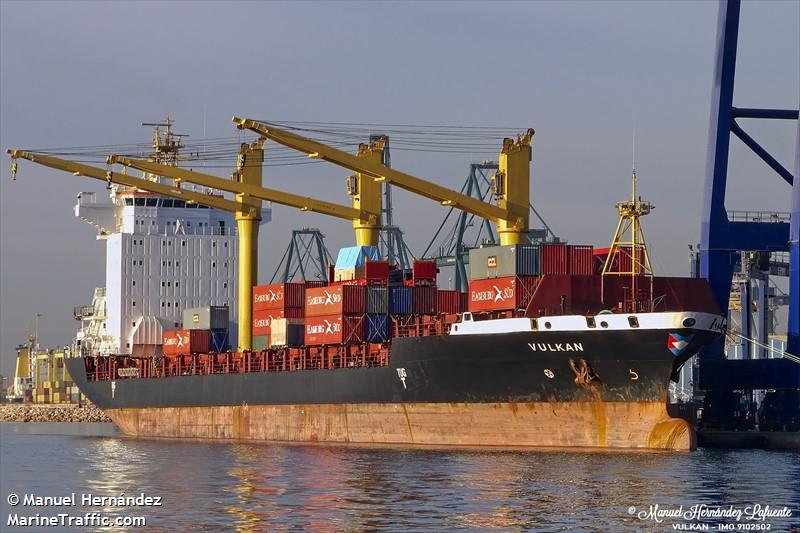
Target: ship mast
(628, 254)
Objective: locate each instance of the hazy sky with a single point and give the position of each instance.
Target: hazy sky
(582, 74)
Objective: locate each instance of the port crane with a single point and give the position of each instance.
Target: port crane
(510, 185)
(246, 184)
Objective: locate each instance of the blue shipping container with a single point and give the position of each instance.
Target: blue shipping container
(377, 328)
(219, 340)
(400, 300)
(355, 256)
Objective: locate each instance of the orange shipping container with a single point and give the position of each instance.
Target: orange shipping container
(186, 341)
(336, 300)
(334, 329)
(501, 294)
(278, 296)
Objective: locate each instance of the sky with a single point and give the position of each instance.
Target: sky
(585, 75)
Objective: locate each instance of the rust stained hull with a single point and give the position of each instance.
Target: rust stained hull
(531, 424)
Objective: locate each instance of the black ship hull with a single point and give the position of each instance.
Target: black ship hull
(531, 388)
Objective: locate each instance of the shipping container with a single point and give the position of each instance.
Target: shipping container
(554, 259)
(334, 329)
(262, 320)
(373, 272)
(423, 300)
(278, 296)
(501, 294)
(400, 300)
(356, 256)
(220, 340)
(260, 342)
(424, 271)
(311, 283)
(580, 260)
(336, 299)
(186, 341)
(448, 302)
(377, 300)
(376, 328)
(344, 274)
(287, 332)
(207, 317)
(504, 261)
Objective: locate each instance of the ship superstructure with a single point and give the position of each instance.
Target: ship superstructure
(162, 255)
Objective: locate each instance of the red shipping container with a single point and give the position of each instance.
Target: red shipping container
(424, 270)
(373, 271)
(314, 283)
(464, 302)
(554, 259)
(334, 329)
(278, 296)
(580, 260)
(262, 319)
(448, 302)
(186, 341)
(423, 300)
(501, 294)
(336, 300)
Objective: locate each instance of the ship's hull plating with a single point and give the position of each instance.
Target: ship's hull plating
(559, 388)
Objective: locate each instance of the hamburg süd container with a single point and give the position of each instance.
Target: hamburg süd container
(376, 328)
(334, 329)
(400, 300)
(278, 296)
(554, 259)
(423, 300)
(501, 294)
(262, 320)
(206, 317)
(336, 299)
(186, 341)
(504, 261)
(377, 300)
(448, 302)
(287, 332)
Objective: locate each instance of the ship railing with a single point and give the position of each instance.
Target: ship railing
(273, 360)
(759, 216)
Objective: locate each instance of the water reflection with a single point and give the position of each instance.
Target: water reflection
(251, 487)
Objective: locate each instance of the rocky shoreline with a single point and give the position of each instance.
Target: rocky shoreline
(20, 412)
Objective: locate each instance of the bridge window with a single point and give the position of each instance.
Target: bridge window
(128, 201)
(152, 202)
(139, 202)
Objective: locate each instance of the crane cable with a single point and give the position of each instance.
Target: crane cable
(783, 354)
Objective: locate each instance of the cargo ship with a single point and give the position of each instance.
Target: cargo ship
(554, 344)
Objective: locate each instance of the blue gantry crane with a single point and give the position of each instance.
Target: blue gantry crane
(723, 239)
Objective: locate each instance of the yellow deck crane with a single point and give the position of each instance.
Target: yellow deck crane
(247, 207)
(511, 184)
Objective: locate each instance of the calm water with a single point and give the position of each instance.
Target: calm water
(259, 487)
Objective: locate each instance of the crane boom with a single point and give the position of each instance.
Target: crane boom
(511, 215)
(304, 203)
(246, 210)
(80, 169)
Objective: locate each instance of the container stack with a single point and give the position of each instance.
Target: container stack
(502, 278)
(205, 330)
(213, 318)
(335, 314)
(351, 258)
(276, 301)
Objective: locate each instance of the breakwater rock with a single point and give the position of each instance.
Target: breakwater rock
(18, 412)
